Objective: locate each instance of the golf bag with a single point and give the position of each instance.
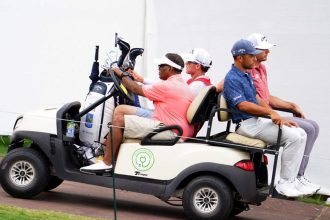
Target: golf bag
(94, 125)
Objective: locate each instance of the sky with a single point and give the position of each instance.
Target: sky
(47, 48)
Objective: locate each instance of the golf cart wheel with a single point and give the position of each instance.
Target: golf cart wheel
(24, 173)
(54, 182)
(207, 197)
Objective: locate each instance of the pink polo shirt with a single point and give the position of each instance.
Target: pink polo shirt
(259, 75)
(171, 99)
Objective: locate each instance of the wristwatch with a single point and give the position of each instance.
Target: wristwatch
(124, 74)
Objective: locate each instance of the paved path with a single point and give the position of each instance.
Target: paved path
(97, 201)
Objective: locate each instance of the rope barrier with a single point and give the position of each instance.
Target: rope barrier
(113, 126)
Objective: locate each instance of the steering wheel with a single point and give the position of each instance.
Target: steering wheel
(121, 88)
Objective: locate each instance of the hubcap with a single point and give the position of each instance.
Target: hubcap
(206, 200)
(22, 173)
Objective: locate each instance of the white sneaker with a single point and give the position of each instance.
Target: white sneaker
(302, 187)
(307, 183)
(100, 166)
(287, 188)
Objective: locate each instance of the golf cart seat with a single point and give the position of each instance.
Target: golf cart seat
(197, 113)
(234, 140)
(232, 136)
(201, 107)
(231, 139)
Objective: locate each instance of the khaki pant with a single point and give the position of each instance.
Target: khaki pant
(138, 127)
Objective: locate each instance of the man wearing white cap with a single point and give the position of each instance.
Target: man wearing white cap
(171, 97)
(259, 74)
(241, 95)
(198, 63)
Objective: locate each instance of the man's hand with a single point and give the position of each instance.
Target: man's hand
(288, 123)
(137, 77)
(297, 111)
(129, 83)
(277, 119)
(117, 71)
(276, 102)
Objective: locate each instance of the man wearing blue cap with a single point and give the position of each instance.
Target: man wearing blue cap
(240, 94)
(260, 79)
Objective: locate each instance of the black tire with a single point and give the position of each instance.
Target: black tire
(235, 212)
(238, 208)
(53, 182)
(207, 197)
(24, 173)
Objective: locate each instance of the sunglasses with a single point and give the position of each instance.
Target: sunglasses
(162, 65)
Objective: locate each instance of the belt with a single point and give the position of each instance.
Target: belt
(238, 124)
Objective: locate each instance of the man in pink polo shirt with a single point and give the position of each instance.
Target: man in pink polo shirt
(171, 97)
(259, 74)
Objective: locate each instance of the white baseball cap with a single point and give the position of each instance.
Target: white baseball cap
(198, 55)
(260, 41)
(165, 60)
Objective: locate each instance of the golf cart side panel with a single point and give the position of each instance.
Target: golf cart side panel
(243, 181)
(141, 185)
(51, 147)
(161, 162)
(66, 112)
(42, 140)
(40, 120)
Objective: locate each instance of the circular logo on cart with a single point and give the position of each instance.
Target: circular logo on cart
(143, 159)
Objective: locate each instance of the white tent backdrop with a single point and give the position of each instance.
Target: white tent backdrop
(47, 49)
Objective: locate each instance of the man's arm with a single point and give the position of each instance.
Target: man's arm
(253, 108)
(264, 109)
(276, 102)
(137, 77)
(132, 86)
(129, 83)
(219, 85)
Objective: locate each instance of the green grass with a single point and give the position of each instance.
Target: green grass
(4, 142)
(315, 199)
(13, 213)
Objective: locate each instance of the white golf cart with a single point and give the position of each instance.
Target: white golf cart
(212, 176)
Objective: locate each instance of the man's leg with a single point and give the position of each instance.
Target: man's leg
(293, 139)
(312, 130)
(132, 110)
(118, 124)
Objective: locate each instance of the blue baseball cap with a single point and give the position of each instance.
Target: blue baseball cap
(242, 47)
